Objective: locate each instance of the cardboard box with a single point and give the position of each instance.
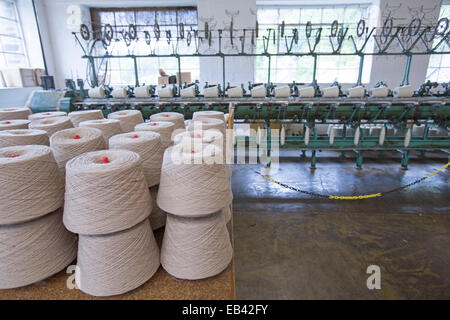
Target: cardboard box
(163, 80)
(37, 75)
(19, 77)
(185, 77)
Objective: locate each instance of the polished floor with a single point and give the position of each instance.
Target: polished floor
(290, 245)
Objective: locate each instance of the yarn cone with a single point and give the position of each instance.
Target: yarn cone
(196, 248)
(128, 119)
(23, 137)
(116, 263)
(35, 250)
(106, 192)
(32, 184)
(194, 182)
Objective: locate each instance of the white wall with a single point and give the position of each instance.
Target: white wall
(218, 14)
(391, 69)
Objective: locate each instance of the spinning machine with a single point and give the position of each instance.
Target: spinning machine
(399, 118)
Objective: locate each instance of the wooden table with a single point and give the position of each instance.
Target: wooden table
(162, 286)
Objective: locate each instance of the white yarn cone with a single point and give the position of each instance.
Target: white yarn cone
(106, 192)
(31, 183)
(109, 127)
(175, 117)
(79, 116)
(117, 263)
(69, 143)
(13, 124)
(194, 139)
(35, 250)
(96, 93)
(158, 216)
(128, 119)
(209, 114)
(51, 125)
(165, 129)
(14, 113)
(207, 123)
(147, 145)
(196, 248)
(22, 137)
(192, 184)
(45, 115)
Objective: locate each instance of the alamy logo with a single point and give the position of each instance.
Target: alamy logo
(374, 280)
(74, 277)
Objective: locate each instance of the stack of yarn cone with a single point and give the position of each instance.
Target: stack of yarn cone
(34, 244)
(107, 202)
(194, 189)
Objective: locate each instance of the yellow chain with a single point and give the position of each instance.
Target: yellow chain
(366, 196)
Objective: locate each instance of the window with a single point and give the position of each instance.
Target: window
(121, 70)
(439, 64)
(12, 46)
(285, 69)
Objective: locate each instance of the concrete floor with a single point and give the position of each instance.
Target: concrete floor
(290, 245)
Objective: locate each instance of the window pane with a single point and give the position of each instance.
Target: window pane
(15, 60)
(9, 28)
(187, 16)
(290, 15)
(145, 17)
(12, 45)
(7, 10)
(438, 65)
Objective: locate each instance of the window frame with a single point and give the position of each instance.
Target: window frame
(431, 69)
(21, 37)
(364, 5)
(116, 63)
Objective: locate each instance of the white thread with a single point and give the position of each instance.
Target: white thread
(307, 136)
(106, 192)
(283, 136)
(128, 119)
(119, 93)
(188, 92)
(176, 118)
(69, 143)
(96, 93)
(14, 124)
(201, 123)
(158, 216)
(14, 113)
(196, 248)
(282, 92)
(382, 136)
(236, 92)
(193, 139)
(44, 115)
(142, 92)
(407, 138)
(51, 125)
(22, 137)
(117, 263)
(209, 114)
(31, 183)
(357, 135)
(35, 250)
(165, 129)
(79, 116)
(192, 182)
(147, 145)
(109, 127)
